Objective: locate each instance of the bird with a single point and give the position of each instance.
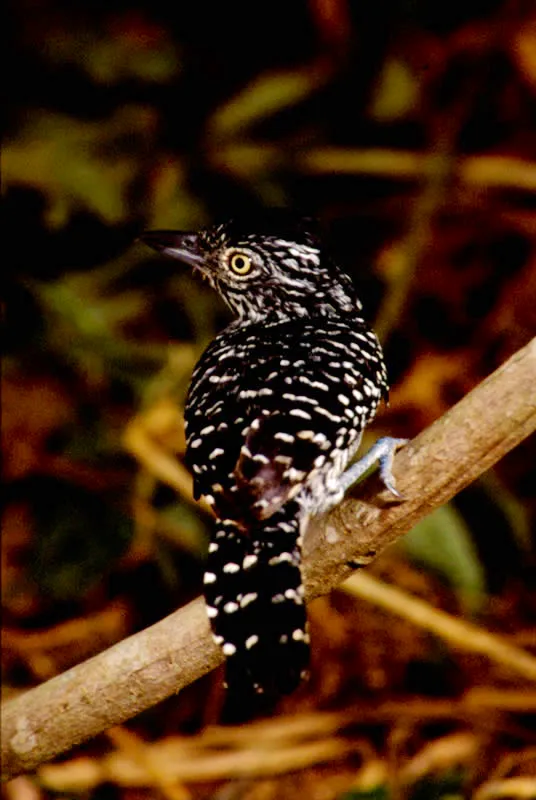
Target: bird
(274, 416)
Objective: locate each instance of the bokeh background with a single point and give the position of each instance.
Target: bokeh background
(408, 129)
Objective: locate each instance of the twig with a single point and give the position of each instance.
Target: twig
(134, 749)
(491, 171)
(167, 755)
(286, 743)
(486, 171)
(142, 670)
(458, 632)
(522, 788)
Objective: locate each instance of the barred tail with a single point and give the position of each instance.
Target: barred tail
(255, 603)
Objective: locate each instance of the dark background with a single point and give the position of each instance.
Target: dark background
(407, 128)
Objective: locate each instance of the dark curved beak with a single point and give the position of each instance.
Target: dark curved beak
(175, 244)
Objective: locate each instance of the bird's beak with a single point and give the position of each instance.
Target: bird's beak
(182, 246)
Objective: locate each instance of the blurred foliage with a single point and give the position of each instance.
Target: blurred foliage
(267, 95)
(407, 128)
(73, 548)
(396, 93)
(442, 542)
(123, 47)
(79, 164)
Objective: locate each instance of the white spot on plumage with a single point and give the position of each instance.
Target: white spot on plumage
(284, 437)
(305, 434)
(286, 527)
(314, 384)
(248, 598)
(231, 567)
(302, 398)
(328, 414)
(281, 459)
(281, 557)
(294, 474)
(298, 412)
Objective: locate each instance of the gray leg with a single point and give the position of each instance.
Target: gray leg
(381, 453)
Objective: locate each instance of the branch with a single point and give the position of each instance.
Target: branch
(460, 633)
(490, 171)
(149, 666)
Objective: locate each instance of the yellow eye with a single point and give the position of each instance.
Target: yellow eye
(241, 263)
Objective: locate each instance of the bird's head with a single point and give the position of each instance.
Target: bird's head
(263, 267)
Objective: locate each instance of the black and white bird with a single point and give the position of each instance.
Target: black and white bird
(275, 412)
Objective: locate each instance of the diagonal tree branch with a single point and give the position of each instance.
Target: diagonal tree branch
(144, 669)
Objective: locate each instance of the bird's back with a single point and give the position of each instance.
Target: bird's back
(272, 404)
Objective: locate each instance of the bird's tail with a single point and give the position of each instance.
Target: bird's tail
(254, 595)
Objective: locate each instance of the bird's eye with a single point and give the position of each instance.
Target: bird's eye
(240, 263)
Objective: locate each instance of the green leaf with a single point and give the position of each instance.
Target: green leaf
(265, 96)
(184, 527)
(133, 48)
(448, 786)
(79, 537)
(396, 93)
(377, 793)
(80, 164)
(513, 510)
(443, 543)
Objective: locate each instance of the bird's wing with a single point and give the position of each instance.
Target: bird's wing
(284, 447)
